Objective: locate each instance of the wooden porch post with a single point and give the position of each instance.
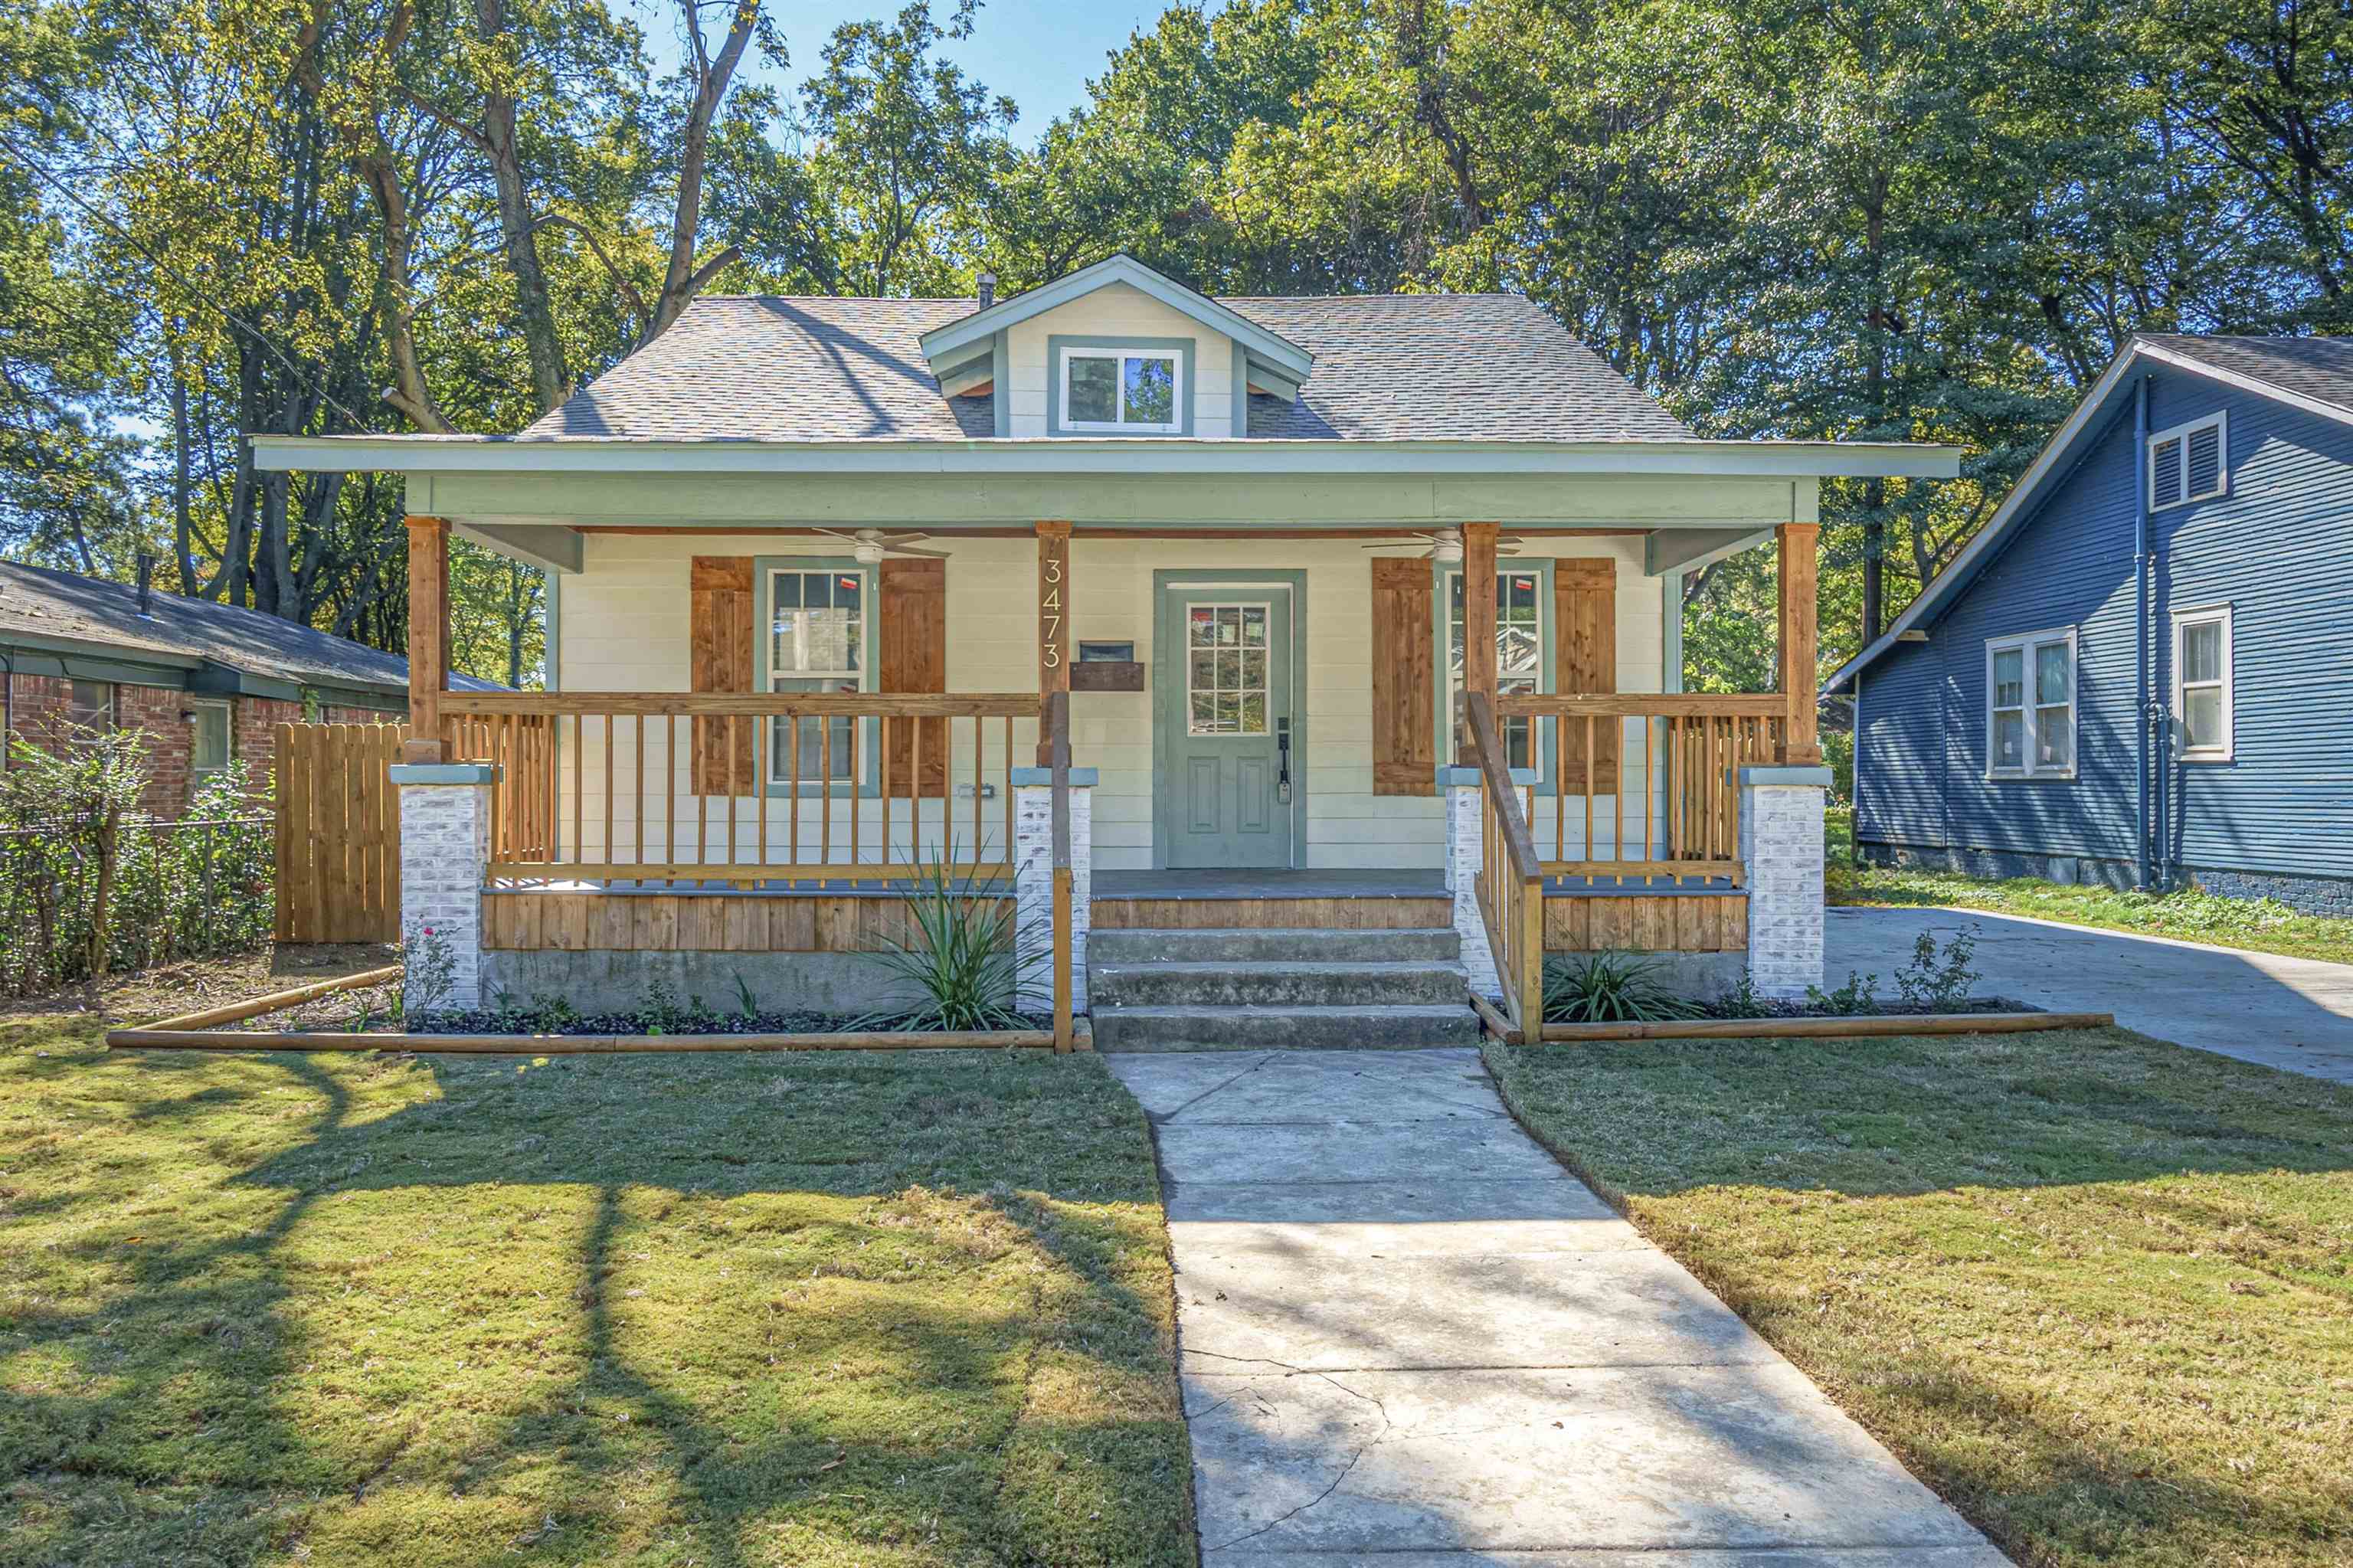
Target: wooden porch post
(1478, 614)
(428, 636)
(1800, 582)
(1053, 620)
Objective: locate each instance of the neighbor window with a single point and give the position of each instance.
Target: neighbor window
(2188, 462)
(817, 643)
(1519, 656)
(209, 738)
(1122, 389)
(90, 704)
(2201, 683)
(2031, 706)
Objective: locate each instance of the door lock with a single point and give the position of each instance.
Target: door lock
(1282, 761)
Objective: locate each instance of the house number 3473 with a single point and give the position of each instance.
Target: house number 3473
(1050, 614)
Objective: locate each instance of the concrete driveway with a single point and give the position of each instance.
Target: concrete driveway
(2293, 1013)
(1410, 1339)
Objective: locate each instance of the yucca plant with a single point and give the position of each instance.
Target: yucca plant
(962, 953)
(1610, 988)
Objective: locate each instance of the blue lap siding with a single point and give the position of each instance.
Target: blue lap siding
(2278, 549)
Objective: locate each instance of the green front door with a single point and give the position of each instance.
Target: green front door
(1227, 773)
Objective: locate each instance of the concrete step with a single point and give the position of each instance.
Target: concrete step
(1274, 945)
(1277, 985)
(1276, 1027)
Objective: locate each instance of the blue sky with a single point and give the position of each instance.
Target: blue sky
(1039, 54)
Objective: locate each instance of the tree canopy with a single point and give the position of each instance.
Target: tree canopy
(1906, 219)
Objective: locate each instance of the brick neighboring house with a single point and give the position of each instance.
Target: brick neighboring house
(206, 681)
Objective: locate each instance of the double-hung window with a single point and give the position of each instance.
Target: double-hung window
(2188, 462)
(1519, 656)
(818, 642)
(2201, 683)
(209, 738)
(2031, 706)
(1123, 391)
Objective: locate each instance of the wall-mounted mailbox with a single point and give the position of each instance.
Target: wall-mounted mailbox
(1107, 667)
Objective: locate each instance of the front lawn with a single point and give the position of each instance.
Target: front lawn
(2249, 925)
(869, 1310)
(2095, 1289)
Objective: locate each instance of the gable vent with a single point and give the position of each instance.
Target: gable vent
(2164, 472)
(2188, 463)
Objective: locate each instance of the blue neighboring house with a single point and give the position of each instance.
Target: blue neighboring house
(2140, 671)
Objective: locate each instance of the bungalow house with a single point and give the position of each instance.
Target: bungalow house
(2140, 672)
(206, 682)
(1348, 621)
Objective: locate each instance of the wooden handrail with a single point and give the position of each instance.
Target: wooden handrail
(780, 704)
(1642, 704)
(1487, 755)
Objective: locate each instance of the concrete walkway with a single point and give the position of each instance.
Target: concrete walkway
(1411, 1340)
(2293, 1014)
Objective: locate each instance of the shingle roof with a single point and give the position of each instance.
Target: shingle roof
(1387, 366)
(2320, 368)
(37, 602)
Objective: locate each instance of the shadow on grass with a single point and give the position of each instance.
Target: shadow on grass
(731, 1309)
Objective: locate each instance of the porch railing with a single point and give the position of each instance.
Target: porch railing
(1638, 785)
(746, 788)
(1510, 883)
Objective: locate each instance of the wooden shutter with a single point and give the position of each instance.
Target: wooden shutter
(1585, 658)
(719, 638)
(1405, 687)
(914, 638)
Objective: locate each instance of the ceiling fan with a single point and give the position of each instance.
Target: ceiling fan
(870, 544)
(1446, 543)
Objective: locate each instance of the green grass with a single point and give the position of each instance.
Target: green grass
(2251, 925)
(867, 1310)
(2094, 1289)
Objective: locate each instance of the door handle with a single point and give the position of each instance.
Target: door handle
(1282, 761)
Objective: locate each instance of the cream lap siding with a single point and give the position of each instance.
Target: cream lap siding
(625, 626)
(1118, 310)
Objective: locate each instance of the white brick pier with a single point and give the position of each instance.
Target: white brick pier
(1781, 849)
(445, 853)
(1033, 882)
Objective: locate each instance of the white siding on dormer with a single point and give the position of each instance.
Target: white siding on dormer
(1117, 310)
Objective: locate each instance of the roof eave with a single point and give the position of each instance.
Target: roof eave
(1175, 455)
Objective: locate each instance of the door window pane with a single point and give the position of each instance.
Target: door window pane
(817, 643)
(1227, 669)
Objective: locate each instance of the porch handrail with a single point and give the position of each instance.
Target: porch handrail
(1678, 815)
(1509, 881)
(898, 778)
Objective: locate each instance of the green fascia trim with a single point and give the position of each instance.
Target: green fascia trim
(1040, 777)
(1239, 417)
(1000, 354)
(65, 666)
(1296, 579)
(219, 680)
(356, 697)
(1180, 346)
(942, 342)
(1442, 602)
(764, 648)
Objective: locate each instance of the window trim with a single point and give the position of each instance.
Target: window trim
(763, 573)
(1441, 666)
(2025, 643)
(2202, 615)
(2221, 422)
(197, 775)
(1061, 346)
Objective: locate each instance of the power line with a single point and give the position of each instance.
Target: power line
(139, 245)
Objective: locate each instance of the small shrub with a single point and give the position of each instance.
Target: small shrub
(1610, 988)
(429, 972)
(1930, 984)
(1859, 995)
(965, 958)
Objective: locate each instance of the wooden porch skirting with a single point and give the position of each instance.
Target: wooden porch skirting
(562, 920)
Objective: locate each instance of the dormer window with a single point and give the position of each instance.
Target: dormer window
(1122, 389)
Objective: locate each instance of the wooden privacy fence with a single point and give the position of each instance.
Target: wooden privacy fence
(338, 833)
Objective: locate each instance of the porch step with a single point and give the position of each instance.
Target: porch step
(1273, 984)
(1274, 945)
(1246, 989)
(1285, 1028)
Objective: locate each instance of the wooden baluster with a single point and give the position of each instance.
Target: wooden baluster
(979, 744)
(638, 782)
(697, 737)
(1559, 783)
(915, 797)
(579, 788)
(885, 789)
(763, 737)
(735, 789)
(607, 722)
(1650, 791)
(793, 795)
(825, 763)
(1587, 851)
(1008, 795)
